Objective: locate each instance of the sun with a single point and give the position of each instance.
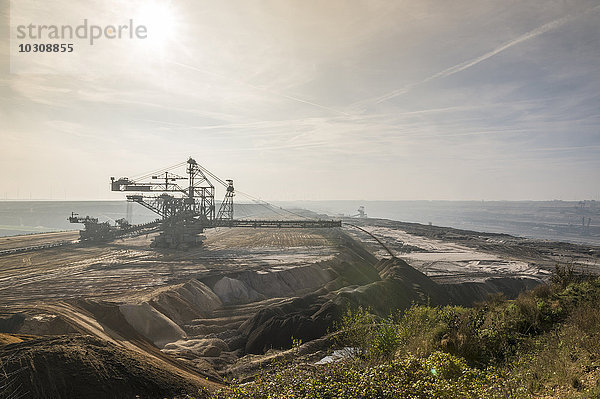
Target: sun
(159, 19)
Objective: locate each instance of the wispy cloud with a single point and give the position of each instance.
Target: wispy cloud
(265, 92)
(262, 89)
(472, 62)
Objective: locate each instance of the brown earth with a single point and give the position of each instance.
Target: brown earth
(31, 240)
(6, 339)
(129, 268)
(87, 367)
(216, 310)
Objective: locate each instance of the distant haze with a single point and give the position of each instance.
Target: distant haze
(576, 221)
(318, 100)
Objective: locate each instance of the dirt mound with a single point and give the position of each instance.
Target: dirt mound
(284, 282)
(234, 291)
(35, 323)
(11, 322)
(193, 348)
(84, 367)
(274, 326)
(151, 323)
(184, 302)
(396, 286)
(249, 286)
(6, 339)
(468, 293)
(400, 286)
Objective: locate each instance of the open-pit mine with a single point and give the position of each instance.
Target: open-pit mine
(121, 316)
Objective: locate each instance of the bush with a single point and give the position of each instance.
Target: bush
(356, 331)
(439, 375)
(367, 337)
(421, 329)
(385, 340)
(565, 274)
(544, 343)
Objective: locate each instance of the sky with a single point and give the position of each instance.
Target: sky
(310, 100)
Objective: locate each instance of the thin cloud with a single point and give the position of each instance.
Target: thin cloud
(263, 89)
(468, 64)
(572, 148)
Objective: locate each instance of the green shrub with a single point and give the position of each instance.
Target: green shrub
(385, 339)
(421, 329)
(368, 338)
(545, 343)
(439, 375)
(355, 330)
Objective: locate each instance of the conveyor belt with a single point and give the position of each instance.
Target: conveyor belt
(279, 223)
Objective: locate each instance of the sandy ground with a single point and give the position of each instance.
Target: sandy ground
(451, 262)
(452, 256)
(31, 240)
(60, 282)
(128, 267)
(101, 290)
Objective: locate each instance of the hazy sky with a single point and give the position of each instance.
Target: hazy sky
(316, 100)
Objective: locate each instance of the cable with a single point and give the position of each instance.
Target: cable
(202, 168)
(208, 172)
(242, 208)
(258, 201)
(272, 206)
(157, 171)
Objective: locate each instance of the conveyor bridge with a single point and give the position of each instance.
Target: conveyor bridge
(279, 223)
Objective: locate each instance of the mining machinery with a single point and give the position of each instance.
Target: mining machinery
(186, 206)
(95, 231)
(361, 213)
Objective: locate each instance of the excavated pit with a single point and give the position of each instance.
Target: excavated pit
(203, 313)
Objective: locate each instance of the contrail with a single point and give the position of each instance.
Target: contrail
(578, 148)
(261, 88)
(468, 64)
